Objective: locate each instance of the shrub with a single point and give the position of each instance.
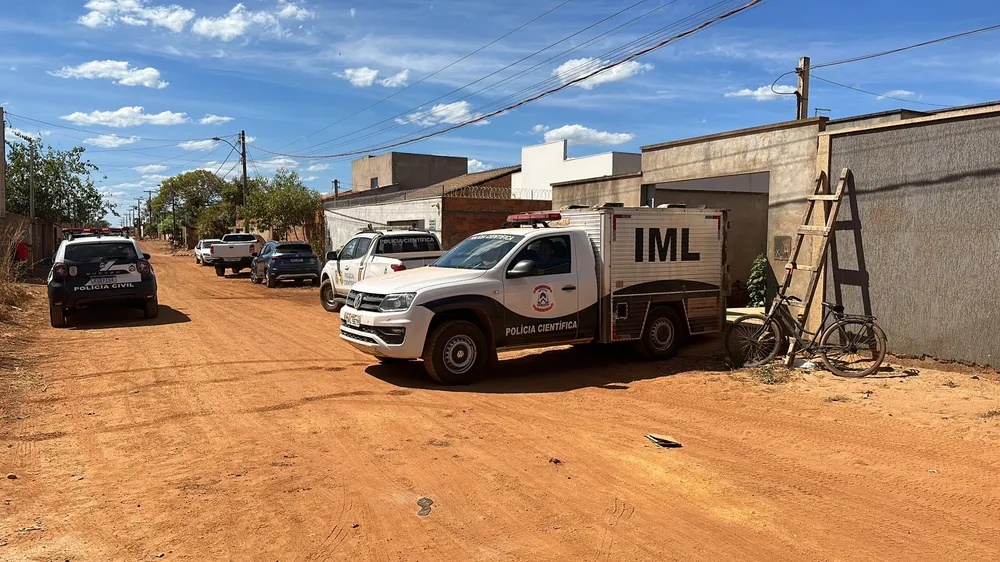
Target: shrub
(757, 281)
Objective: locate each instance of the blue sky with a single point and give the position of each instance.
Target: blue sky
(149, 82)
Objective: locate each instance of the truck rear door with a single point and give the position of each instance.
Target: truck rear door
(543, 308)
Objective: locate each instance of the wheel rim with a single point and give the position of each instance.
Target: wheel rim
(328, 296)
(661, 334)
(459, 354)
(854, 349)
(751, 343)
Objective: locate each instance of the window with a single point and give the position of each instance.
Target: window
(374, 183)
(362, 247)
(294, 249)
(88, 253)
(551, 254)
(348, 251)
(479, 251)
(400, 244)
(240, 238)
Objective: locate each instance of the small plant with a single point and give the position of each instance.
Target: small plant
(837, 398)
(768, 375)
(757, 281)
(994, 413)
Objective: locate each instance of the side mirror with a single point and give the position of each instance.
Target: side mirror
(146, 256)
(46, 262)
(331, 256)
(523, 268)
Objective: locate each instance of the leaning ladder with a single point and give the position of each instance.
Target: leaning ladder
(831, 205)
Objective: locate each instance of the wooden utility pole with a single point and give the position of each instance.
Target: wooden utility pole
(150, 213)
(243, 191)
(802, 94)
(3, 163)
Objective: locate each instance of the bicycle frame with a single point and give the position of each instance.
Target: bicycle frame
(793, 327)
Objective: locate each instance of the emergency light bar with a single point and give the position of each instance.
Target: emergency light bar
(534, 217)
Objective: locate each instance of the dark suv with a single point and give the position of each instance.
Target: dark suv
(98, 271)
(283, 261)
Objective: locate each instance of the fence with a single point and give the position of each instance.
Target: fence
(44, 238)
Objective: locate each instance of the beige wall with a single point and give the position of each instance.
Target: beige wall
(363, 169)
(596, 191)
(408, 171)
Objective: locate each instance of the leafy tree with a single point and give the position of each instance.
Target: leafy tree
(191, 192)
(215, 220)
(64, 189)
(282, 205)
(757, 280)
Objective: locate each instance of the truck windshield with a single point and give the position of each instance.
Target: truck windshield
(239, 238)
(479, 251)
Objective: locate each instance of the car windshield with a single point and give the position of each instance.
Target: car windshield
(240, 238)
(403, 244)
(208, 243)
(294, 248)
(479, 251)
(85, 253)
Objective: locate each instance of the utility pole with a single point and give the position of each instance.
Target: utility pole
(173, 207)
(31, 196)
(802, 93)
(3, 163)
(150, 203)
(336, 191)
(138, 209)
(243, 158)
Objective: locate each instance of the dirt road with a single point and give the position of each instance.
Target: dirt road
(238, 426)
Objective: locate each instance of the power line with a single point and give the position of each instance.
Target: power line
(435, 73)
(550, 91)
(877, 94)
(908, 47)
(231, 151)
(94, 132)
(498, 71)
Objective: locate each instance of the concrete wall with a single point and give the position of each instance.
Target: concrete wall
(788, 151)
(344, 222)
(464, 216)
(407, 171)
(926, 197)
(598, 190)
(545, 164)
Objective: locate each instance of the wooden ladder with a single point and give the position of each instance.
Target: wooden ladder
(831, 206)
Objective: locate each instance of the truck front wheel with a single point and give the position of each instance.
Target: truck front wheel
(328, 297)
(456, 353)
(662, 334)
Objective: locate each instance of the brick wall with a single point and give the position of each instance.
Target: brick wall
(465, 216)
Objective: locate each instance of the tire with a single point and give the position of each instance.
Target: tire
(197, 260)
(751, 329)
(328, 297)
(220, 272)
(873, 334)
(456, 353)
(271, 281)
(152, 308)
(662, 335)
(57, 316)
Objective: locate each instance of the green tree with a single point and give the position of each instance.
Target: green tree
(281, 205)
(757, 280)
(215, 220)
(64, 189)
(191, 192)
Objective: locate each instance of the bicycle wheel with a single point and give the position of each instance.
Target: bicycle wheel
(753, 340)
(852, 347)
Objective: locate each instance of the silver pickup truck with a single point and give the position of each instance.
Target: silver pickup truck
(235, 252)
(372, 253)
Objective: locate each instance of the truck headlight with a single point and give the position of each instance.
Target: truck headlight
(396, 302)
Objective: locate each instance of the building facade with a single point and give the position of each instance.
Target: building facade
(404, 170)
(545, 164)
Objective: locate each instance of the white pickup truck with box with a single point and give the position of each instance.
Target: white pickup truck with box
(235, 252)
(651, 276)
(372, 253)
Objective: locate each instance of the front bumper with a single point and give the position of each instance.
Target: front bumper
(64, 296)
(377, 332)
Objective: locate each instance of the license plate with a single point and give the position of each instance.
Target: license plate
(232, 259)
(104, 280)
(297, 260)
(352, 320)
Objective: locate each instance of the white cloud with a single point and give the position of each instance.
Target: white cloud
(13, 133)
(211, 119)
(117, 70)
(206, 144)
(111, 141)
(359, 77)
(291, 11)
(578, 134)
(539, 129)
(108, 13)
(318, 167)
(397, 80)
(577, 68)
(896, 94)
(126, 117)
(763, 93)
(353, 12)
(477, 166)
(150, 168)
(250, 139)
(275, 163)
(311, 178)
(443, 114)
(155, 177)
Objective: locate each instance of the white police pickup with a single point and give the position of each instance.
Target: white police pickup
(611, 274)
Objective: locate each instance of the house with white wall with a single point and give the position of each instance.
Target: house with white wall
(545, 164)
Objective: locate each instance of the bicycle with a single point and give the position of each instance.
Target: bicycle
(755, 339)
